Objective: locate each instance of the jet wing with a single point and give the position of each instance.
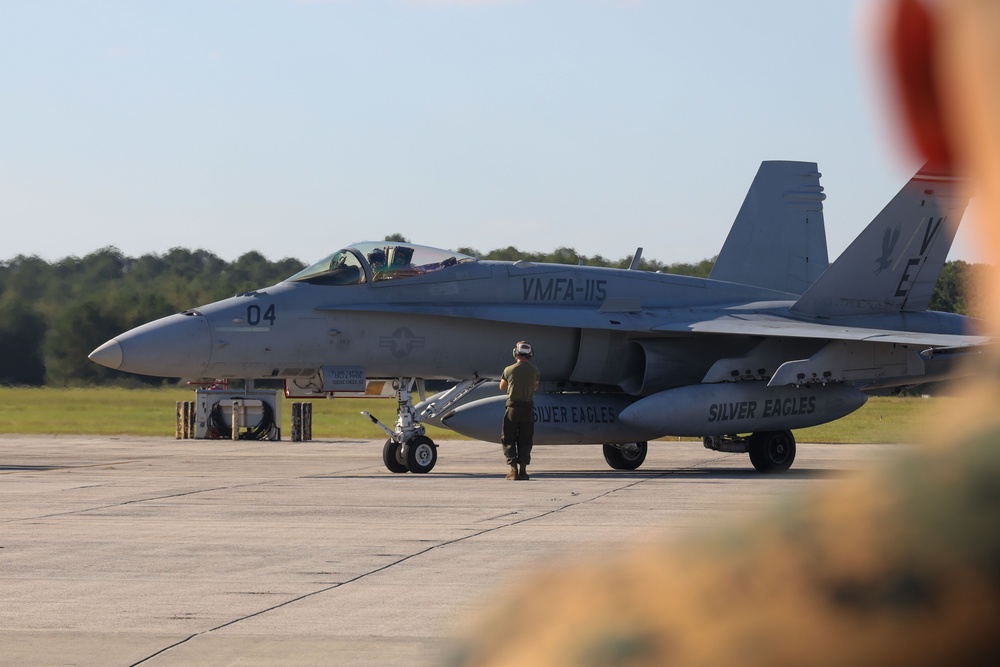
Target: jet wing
(556, 316)
(618, 316)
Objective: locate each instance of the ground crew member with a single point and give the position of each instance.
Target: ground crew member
(519, 380)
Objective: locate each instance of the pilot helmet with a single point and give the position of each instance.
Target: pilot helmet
(523, 349)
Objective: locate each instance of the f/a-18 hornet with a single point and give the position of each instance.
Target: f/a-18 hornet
(776, 339)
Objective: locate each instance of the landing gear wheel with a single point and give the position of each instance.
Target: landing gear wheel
(392, 456)
(420, 454)
(625, 457)
(772, 451)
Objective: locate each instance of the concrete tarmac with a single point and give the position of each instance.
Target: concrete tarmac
(160, 552)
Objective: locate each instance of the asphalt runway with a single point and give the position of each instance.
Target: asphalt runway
(154, 551)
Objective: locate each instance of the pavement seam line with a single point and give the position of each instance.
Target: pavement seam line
(399, 561)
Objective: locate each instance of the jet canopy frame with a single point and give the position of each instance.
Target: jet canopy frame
(376, 261)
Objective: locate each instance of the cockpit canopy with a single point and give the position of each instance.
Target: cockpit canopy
(376, 261)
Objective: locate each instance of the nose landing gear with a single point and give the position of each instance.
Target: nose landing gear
(407, 449)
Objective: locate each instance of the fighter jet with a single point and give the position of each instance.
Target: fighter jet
(776, 339)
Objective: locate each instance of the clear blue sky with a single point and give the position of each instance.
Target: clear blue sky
(295, 128)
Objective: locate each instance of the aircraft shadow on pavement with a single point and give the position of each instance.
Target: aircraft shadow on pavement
(687, 473)
(651, 474)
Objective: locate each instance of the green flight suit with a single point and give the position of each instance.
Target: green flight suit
(519, 418)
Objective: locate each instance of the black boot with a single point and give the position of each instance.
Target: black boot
(523, 472)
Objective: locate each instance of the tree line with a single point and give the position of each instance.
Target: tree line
(53, 314)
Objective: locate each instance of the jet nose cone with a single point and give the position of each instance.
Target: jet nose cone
(109, 354)
(174, 346)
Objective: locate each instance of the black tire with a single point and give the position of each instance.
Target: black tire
(772, 451)
(392, 456)
(420, 454)
(626, 457)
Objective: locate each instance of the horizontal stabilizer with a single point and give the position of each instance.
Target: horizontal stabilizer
(778, 240)
(895, 262)
(764, 326)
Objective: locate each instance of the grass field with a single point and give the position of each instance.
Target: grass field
(150, 412)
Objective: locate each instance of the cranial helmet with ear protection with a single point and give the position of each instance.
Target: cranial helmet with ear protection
(523, 349)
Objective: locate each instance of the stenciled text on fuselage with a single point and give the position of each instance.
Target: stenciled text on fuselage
(564, 289)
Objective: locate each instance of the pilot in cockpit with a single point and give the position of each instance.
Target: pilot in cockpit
(378, 261)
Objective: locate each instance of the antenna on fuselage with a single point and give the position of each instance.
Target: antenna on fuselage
(634, 266)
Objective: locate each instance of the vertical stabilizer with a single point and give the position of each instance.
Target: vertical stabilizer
(778, 240)
(895, 262)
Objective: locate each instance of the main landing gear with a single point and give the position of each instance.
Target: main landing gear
(628, 456)
(770, 451)
(407, 449)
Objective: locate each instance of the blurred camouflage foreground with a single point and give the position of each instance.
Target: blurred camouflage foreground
(898, 566)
